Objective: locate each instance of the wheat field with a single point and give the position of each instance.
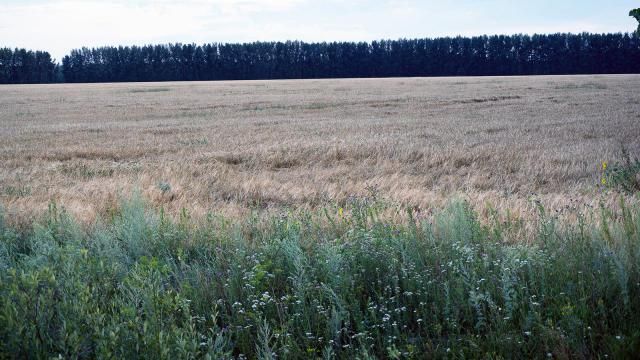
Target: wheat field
(233, 147)
(335, 219)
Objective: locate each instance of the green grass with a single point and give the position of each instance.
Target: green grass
(17, 191)
(623, 175)
(332, 285)
(149, 90)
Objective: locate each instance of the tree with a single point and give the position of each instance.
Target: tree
(636, 14)
(463, 56)
(21, 66)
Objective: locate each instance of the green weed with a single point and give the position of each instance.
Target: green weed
(622, 175)
(149, 90)
(143, 285)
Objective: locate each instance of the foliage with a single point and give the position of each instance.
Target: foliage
(141, 285)
(636, 14)
(21, 66)
(448, 56)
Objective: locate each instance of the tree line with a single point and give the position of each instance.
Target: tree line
(21, 66)
(447, 56)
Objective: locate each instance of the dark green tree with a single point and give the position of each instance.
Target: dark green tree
(462, 56)
(21, 66)
(636, 14)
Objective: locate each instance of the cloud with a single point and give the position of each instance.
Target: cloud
(254, 6)
(64, 24)
(59, 26)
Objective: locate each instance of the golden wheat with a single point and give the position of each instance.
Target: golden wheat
(232, 146)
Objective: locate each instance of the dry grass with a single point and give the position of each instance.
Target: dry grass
(232, 146)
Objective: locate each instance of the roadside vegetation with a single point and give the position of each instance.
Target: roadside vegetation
(338, 283)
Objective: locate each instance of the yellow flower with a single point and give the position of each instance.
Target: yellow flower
(604, 165)
(603, 181)
(340, 212)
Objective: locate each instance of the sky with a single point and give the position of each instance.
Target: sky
(58, 26)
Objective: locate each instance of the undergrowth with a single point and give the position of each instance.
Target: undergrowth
(143, 285)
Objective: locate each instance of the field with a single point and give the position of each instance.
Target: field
(370, 218)
(236, 146)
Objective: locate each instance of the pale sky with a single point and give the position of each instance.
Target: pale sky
(58, 26)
